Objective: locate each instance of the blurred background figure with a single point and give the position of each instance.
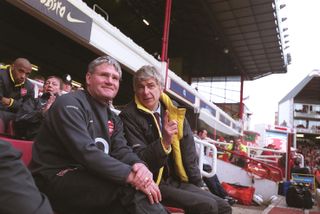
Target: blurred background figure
(34, 110)
(67, 83)
(15, 88)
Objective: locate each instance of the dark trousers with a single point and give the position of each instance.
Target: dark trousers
(5, 118)
(192, 199)
(18, 192)
(80, 192)
(213, 183)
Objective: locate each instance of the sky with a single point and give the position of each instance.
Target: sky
(262, 96)
(303, 22)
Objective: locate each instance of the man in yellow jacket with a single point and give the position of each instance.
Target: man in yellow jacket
(161, 136)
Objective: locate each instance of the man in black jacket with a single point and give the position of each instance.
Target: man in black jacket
(80, 156)
(159, 133)
(32, 112)
(15, 88)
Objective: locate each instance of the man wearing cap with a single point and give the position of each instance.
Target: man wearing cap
(67, 83)
(15, 88)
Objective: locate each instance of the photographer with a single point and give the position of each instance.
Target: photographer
(32, 112)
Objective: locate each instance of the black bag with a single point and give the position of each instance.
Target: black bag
(299, 196)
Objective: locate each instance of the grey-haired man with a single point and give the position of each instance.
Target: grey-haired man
(80, 157)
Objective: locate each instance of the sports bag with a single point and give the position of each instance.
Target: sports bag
(299, 196)
(243, 194)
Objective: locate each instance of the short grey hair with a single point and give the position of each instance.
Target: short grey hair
(104, 59)
(146, 72)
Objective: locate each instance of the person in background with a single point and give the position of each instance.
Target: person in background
(238, 148)
(67, 83)
(19, 193)
(33, 111)
(213, 182)
(203, 134)
(15, 88)
(158, 132)
(80, 158)
(297, 167)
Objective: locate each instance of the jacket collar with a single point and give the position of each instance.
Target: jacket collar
(12, 79)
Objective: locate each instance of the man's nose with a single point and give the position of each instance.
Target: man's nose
(108, 79)
(146, 90)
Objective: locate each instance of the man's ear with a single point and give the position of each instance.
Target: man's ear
(88, 78)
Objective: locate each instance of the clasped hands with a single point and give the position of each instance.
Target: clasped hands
(142, 179)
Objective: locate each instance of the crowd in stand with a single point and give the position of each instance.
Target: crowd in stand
(87, 159)
(311, 153)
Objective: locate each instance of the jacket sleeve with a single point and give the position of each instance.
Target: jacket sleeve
(189, 155)
(30, 112)
(18, 190)
(70, 121)
(120, 149)
(150, 152)
(1, 85)
(17, 103)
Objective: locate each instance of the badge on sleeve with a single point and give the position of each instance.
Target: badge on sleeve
(23, 92)
(110, 127)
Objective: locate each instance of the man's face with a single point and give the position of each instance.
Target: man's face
(148, 93)
(52, 85)
(67, 87)
(103, 83)
(203, 135)
(20, 72)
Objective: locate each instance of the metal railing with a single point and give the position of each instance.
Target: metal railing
(210, 157)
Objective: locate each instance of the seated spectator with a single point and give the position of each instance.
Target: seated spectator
(80, 158)
(213, 182)
(32, 112)
(238, 148)
(298, 169)
(15, 88)
(19, 194)
(203, 134)
(160, 134)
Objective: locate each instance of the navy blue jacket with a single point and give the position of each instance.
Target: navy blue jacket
(19, 93)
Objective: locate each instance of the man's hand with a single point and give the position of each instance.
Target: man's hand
(140, 176)
(5, 101)
(143, 177)
(153, 193)
(170, 128)
(50, 101)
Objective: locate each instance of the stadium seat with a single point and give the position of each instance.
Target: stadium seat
(26, 148)
(22, 145)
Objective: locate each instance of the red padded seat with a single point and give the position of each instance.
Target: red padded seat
(25, 146)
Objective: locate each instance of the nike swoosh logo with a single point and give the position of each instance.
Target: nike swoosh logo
(73, 20)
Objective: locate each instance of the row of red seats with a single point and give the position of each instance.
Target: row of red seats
(26, 148)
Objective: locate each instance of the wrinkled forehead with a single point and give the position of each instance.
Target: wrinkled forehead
(53, 79)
